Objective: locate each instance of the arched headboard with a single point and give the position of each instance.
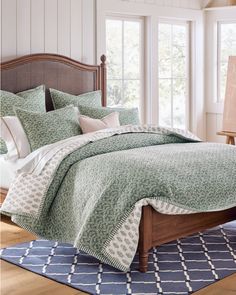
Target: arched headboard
(54, 71)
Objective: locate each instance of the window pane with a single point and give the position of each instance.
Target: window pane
(124, 49)
(227, 43)
(178, 61)
(114, 93)
(165, 102)
(131, 50)
(114, 48)
(131, 93)
(173, 66)
(164, 48)
(179, 35)
(179, 103)
(165, 32)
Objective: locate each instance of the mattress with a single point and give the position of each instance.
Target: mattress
(8, 170)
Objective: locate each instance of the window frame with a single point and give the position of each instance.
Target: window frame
(152, 13)
(188, 98)
(212, 103)
(218, 57)
(140, 20)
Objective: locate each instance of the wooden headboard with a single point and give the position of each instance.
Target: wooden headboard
(54, 71)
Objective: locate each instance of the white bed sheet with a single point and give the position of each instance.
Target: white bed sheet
(8, 171)
(35, 161)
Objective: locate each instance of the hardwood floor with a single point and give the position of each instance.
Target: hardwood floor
(17, 281)
(223, 287)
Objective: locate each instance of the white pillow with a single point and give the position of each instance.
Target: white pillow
(88, 124)
(15, 138)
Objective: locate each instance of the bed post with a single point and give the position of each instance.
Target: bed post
(145, 237)
(104, 80)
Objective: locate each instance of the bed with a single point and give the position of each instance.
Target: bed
(71, 76)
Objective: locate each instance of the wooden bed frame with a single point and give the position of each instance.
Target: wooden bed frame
(65, 74)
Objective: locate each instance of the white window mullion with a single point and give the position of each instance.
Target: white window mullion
(188, 76)
(123, 60)
(218, 60)
(172, 103)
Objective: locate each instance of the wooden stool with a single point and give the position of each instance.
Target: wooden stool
(229, 136)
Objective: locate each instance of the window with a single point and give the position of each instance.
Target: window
(124, 51)
(173, 74)
(226, 47)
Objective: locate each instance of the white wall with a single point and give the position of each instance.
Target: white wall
(57, 26)
(65, 27)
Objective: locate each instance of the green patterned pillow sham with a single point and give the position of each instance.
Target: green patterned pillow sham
(43, 129)
(126, 116)
(32, 100)
(61, 99)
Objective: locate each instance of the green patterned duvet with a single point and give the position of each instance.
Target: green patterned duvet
(95, 196)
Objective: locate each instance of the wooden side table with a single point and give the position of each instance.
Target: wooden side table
(229, 136)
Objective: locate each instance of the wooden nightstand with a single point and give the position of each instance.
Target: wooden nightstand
(229, 136)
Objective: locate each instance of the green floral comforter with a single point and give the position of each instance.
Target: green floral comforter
(95, 197)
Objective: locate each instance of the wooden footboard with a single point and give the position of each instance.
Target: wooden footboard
(156, 228)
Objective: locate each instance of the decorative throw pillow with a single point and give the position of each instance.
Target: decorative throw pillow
(126, 116)
(43, 129)
(15, 138)
(61, 99)
(88, 124)
(32, 100)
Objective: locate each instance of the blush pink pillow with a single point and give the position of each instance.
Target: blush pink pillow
(88, 124)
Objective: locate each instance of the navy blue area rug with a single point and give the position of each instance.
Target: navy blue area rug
(180, 267)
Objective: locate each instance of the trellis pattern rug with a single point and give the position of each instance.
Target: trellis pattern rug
(180, 267)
